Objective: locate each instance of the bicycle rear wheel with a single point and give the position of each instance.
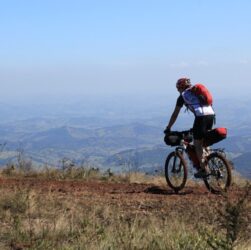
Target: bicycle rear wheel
(220, 177)
(176, 171)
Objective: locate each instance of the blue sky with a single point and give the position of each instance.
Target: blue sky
(72, 48)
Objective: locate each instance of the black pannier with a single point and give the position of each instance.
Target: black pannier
(215, 135)
(173, 138)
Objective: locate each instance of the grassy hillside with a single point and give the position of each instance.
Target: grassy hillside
(81, 208)
(108, 142)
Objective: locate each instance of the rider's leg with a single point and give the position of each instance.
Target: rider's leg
(198, 144)
(198, 129)
(201, 125)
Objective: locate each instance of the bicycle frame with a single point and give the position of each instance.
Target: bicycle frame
(183, 147)
(185, 144)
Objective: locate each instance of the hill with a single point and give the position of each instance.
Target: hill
(243, 164)
(145, 159)
(113, 211)
(109, 135)
(139, 145)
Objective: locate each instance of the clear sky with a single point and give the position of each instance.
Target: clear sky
(71, 48)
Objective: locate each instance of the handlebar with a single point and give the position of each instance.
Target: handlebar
(174, 138)
(186, 135)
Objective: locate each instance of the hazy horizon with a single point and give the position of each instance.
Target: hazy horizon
(67, 50)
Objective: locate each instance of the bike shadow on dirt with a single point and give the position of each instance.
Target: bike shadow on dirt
(162, 191)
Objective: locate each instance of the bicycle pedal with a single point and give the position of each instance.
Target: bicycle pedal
(201, 174)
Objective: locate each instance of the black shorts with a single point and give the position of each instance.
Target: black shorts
(201, 125)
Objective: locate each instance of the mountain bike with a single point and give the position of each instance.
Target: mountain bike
(219, 175)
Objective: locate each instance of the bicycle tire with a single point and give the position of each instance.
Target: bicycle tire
(175, 166)
(220, 174)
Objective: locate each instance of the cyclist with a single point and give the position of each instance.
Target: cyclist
(204, 119)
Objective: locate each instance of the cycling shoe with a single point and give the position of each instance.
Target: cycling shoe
(202, 173)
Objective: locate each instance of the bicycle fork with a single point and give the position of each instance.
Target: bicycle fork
(176, 170)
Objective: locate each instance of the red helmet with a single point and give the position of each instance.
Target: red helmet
(183, 83)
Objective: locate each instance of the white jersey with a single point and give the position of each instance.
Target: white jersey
(193, 103)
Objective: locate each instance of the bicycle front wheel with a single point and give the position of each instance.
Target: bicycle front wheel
(220, 177)
(176, 171)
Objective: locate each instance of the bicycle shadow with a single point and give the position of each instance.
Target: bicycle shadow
(162, 191)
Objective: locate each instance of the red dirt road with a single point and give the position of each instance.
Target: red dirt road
(109, 191)
(147, 197)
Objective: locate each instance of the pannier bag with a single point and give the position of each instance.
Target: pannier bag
(215, 135)
(173, 138)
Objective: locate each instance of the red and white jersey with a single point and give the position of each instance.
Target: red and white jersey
(193, 103)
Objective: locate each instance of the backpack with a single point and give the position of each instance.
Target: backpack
(202, 93)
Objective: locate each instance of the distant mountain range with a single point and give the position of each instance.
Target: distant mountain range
(114, 137)
(242, 164)
(136, 146)
(111, 141)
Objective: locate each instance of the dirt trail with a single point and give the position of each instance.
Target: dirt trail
(126, 199)
(109, 190)
(108, 202)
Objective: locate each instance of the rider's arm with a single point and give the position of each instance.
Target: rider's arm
(173, 117)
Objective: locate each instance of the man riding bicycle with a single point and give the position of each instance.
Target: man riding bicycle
(204, 119)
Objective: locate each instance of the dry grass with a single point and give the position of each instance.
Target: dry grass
(81, 173)
(30, 220)
(35, 219)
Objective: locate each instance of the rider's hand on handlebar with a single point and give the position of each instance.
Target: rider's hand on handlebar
(167, 130)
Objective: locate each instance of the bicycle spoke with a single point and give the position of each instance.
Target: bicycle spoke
(219, 177)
